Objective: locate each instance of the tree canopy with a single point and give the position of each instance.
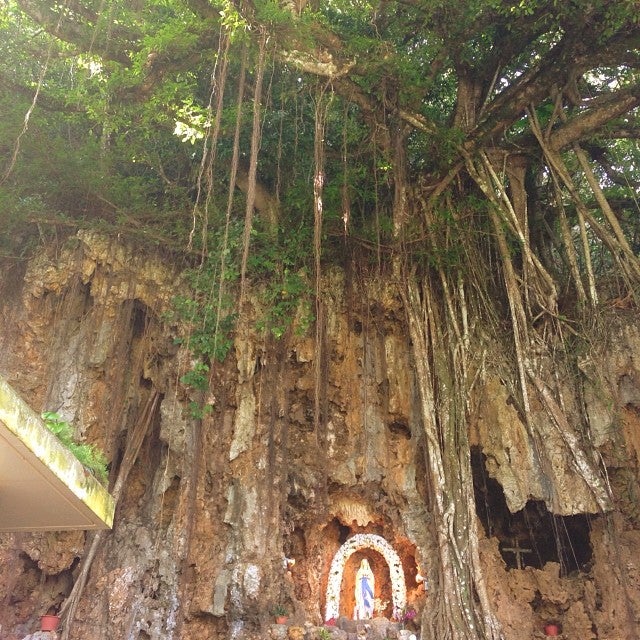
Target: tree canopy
(127, 99)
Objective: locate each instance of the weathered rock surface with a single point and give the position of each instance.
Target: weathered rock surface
(216, 503)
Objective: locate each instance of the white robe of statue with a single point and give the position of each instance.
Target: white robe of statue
(365, 589)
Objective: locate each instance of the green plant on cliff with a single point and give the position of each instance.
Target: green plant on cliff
(207, 310)
(324, 634)
(280, 268)
(90, 456)
(279, 610)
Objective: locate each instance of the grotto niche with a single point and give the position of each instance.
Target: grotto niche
(372, 547)
(328, 552)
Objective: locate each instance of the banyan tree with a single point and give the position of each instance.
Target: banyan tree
(478, 159)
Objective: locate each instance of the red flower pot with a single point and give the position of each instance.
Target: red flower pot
(49, 622)
(281, 619)
(551, 629)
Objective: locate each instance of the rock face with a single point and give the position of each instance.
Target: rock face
(309, 440)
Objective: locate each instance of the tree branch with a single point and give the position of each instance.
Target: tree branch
(591, 120)
(46, 101)
(569, 58)
(110, 44)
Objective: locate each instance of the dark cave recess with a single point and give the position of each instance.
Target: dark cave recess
(532, 536)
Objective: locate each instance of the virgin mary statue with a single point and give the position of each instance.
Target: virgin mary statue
(365, 588)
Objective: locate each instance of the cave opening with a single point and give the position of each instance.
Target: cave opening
(532, 536)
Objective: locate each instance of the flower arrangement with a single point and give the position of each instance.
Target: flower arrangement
(379, 606)
(407, 615)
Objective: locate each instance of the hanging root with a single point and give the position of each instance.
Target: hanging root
(210, 149)
(610, 234)
(581, 463)
(132, 449)
(321, 109)
(253, 168)
(443, 385)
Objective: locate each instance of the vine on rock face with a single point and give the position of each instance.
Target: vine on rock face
(207, 315)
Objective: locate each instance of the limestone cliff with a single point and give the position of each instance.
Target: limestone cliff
(309, 440)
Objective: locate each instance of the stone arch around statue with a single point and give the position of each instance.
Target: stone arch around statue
(356, 543)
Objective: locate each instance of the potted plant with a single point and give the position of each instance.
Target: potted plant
(551, 629)
(280, 614)
(50, 620)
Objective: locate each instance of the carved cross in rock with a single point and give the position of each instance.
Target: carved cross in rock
(518, 551)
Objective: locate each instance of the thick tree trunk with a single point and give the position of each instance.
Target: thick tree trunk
(460, 607)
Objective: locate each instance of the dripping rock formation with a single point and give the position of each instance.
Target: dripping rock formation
(306, 456)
